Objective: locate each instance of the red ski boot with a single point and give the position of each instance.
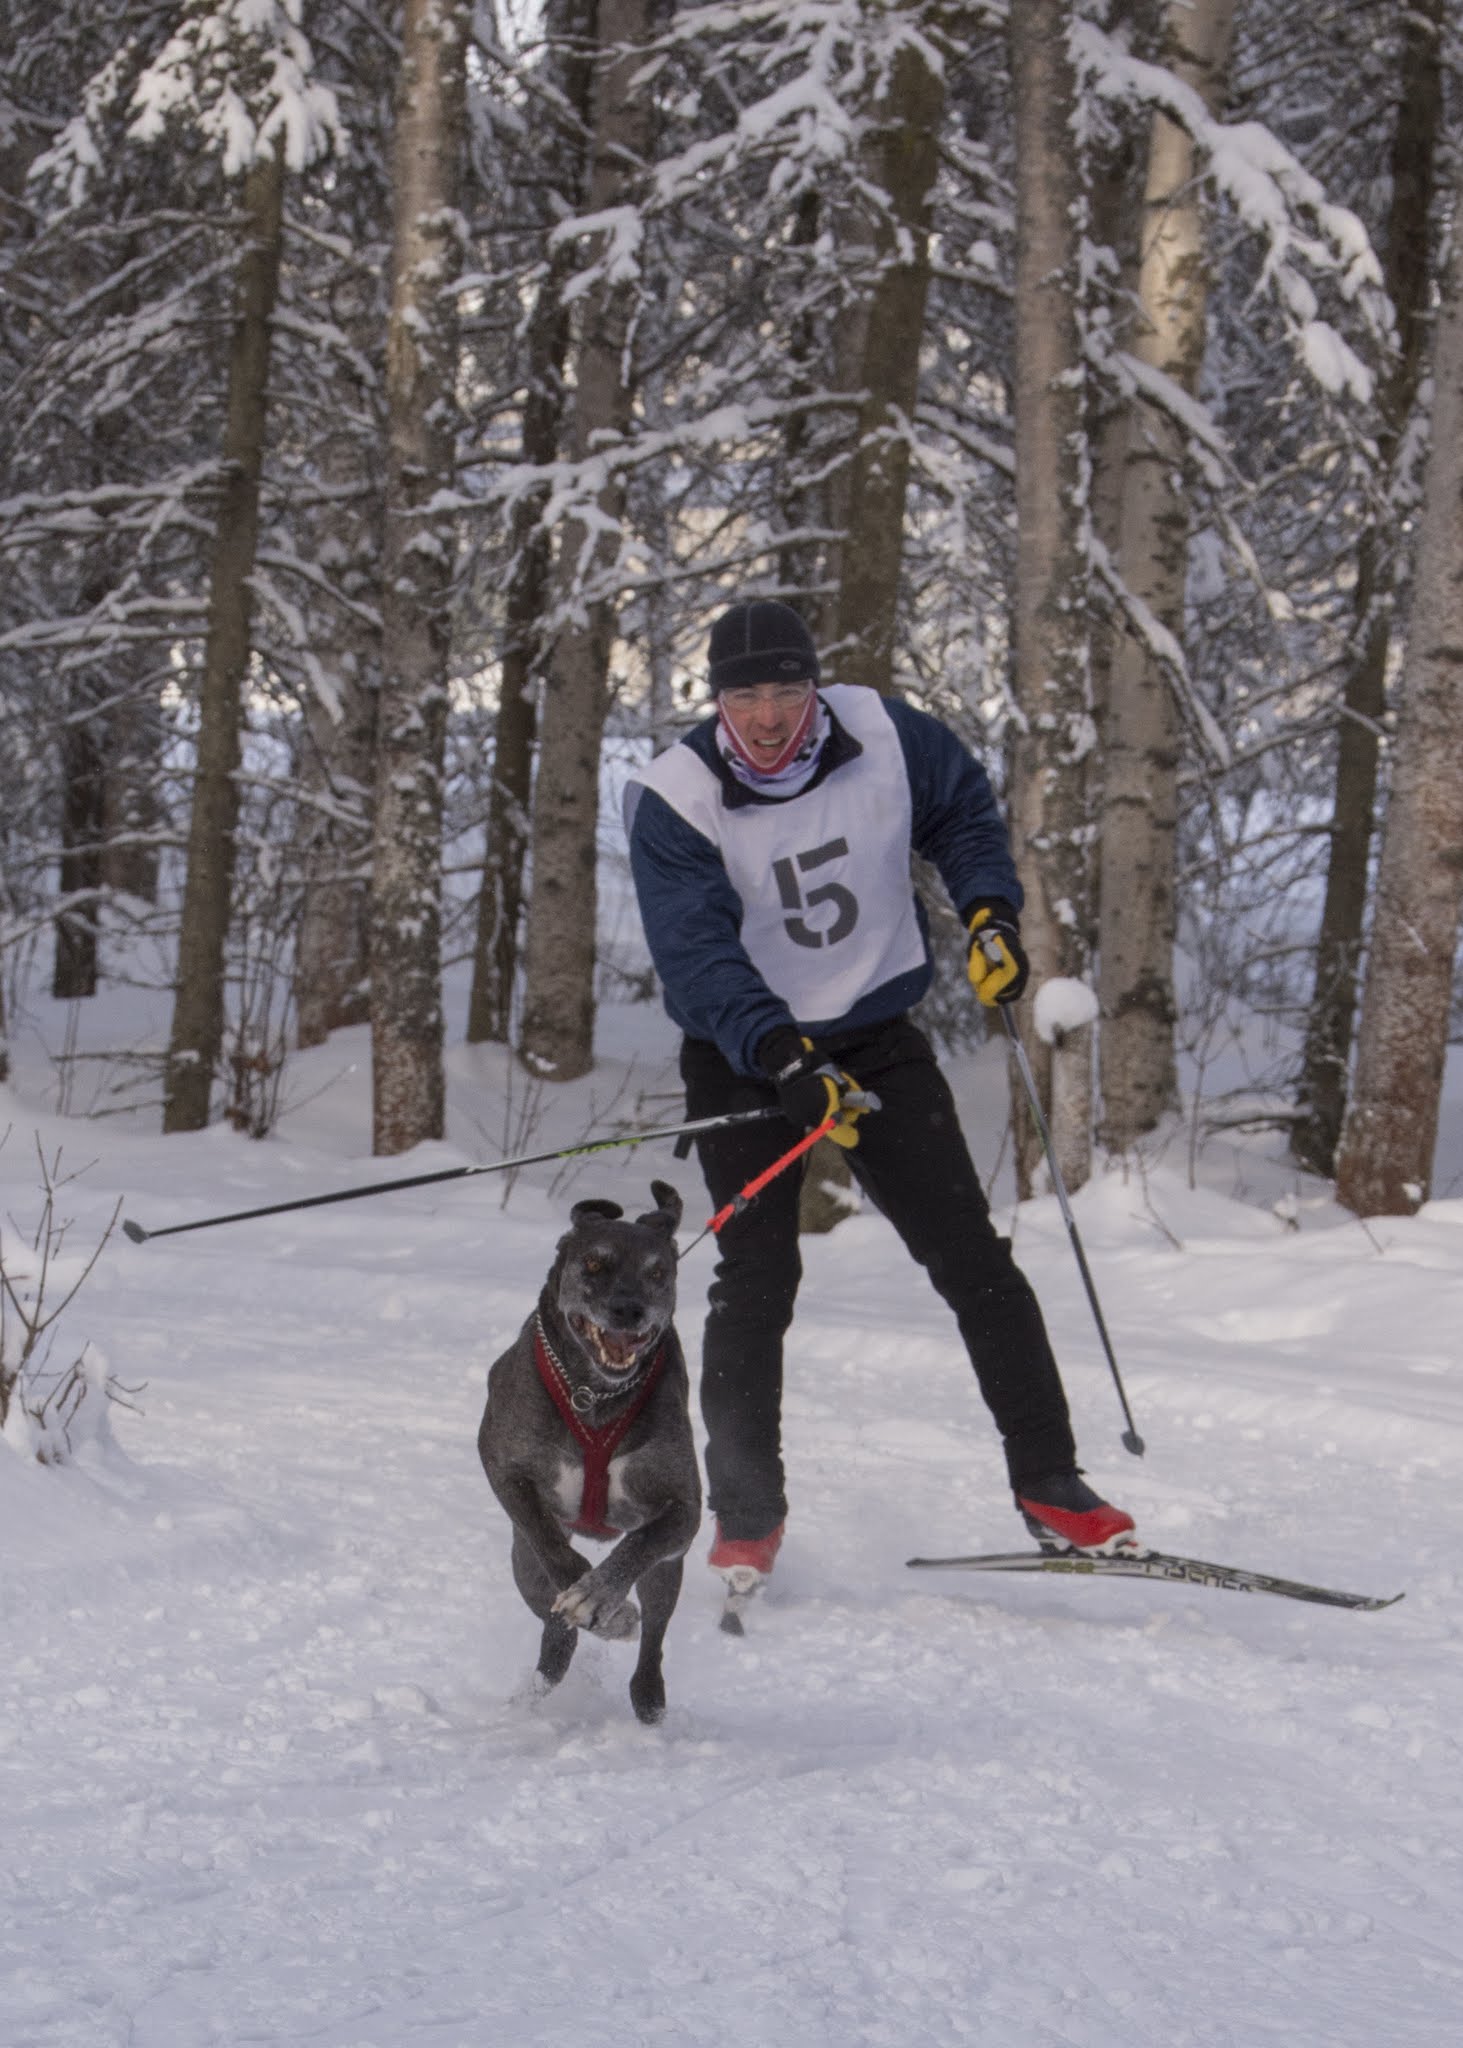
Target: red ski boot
(1063, 1513)
(745, 1563)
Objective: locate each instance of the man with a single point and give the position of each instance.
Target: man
(771, 857)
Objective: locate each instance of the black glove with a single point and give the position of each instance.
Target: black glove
(997, 965)
(809, 1089)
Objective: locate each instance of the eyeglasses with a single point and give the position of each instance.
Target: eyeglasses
(786, 696)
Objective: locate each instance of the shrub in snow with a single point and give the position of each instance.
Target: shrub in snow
(47, 1410)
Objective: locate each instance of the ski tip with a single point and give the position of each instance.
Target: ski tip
(134, 1230)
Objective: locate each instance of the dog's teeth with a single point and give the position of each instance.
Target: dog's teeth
(617, 1353)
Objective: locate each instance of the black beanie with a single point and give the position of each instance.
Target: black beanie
(761, 642)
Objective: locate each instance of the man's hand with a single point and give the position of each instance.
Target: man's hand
(997, 966)
(809, 1088)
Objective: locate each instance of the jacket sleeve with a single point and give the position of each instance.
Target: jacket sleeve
(957, 823)
(693, 921)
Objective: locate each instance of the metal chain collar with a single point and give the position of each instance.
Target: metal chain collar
(581, 1398)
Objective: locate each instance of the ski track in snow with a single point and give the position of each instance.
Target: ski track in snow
(267, 1776)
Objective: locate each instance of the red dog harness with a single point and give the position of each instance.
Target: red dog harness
(598, 1445)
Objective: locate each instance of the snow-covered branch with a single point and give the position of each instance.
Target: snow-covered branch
(1280, 200)
(240, 72)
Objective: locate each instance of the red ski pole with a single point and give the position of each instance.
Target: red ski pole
(859, 1099)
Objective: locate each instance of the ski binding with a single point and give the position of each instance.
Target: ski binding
(743, 1584)
(1134, 1562)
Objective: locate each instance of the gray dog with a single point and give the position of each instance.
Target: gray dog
(587, 1431)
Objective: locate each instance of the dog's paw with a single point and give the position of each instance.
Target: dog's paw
(620, 1625)
(647, 1696)
(586, 1604)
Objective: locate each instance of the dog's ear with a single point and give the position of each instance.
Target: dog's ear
(596, 1206)
(667, 1215)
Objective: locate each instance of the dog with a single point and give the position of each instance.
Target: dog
(587, 1431)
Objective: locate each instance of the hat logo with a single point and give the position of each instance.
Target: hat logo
(789, 665)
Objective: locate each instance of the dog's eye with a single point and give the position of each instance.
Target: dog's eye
(594, 1263)
(655, 1270)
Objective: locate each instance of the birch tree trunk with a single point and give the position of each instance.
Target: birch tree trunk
(902, 162)
(408, 1085)
(557, 1040)
(1054, 734)
(570, 28)
(1114, 176)
(1385, 1162)
(1136, 919)
(1407, 270)
(198, 1008)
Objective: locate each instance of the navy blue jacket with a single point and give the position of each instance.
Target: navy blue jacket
(692, 913)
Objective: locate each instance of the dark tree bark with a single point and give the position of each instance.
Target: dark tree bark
(1384, 1167)
(336, 758)
(408, 1085)
(89, 765)
(500, 896)
(1407, 268)
(132, 813)
(570, 26)
(198, 1010)
(82, 824)
(903, 161)
(557, 1039)
(337, 769)
(802, 503)
(880, 359)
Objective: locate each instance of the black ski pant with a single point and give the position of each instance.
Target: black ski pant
(913, 1163)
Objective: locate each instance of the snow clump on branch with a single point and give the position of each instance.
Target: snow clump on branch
(241, 73)
(1063, 1005)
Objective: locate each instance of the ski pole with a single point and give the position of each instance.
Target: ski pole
(419, 1180)
(856, 1098)
(1131, 1439)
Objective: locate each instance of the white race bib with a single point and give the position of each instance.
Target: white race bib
(824, 877)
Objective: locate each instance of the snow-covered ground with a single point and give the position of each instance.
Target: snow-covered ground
(263, 1777)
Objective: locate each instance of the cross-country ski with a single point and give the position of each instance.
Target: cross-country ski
(1152, 1564)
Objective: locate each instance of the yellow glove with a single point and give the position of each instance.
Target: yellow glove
(997, 966)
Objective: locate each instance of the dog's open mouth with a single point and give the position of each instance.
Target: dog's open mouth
(614, 1350)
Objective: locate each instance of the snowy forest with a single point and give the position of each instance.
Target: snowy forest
(394, 394)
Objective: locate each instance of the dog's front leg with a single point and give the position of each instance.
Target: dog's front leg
(595, 1598)
(659, 1589)
(558, 1565)
(540, 1531)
